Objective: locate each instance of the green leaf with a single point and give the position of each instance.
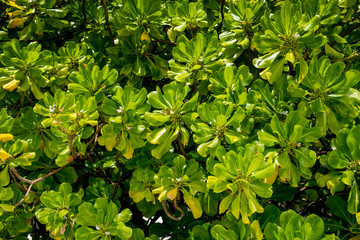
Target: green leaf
(267, 139)
(274, 232)
(68, 174)
(225, 203)
(221, 120)
(266, 60)
(193, 203)
(77, 88)
(200, 233)
(332, 52)
(87, 233)
(338, 207)
(278, 127)
(6, 194)
(87, 215)
(338, 160)
(271, 215)
(354, 199)
(306, 157)
(314, 227)
(124, 216)
(303, 69)
(220, 233)
(274, 71)
(156, 119)
(261, 189)
(121, 230)
(7, 207)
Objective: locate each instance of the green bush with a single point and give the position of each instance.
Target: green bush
(181, 119)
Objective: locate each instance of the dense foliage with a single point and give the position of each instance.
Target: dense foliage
(189, 119)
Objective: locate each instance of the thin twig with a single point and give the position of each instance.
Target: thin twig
(20, 177)
(14, 178)
(222, 16)
(40, 178)
(348, 31)
(347, 58)
(118, 140)
(181, 146)
(94, 137)
(71, 139)
(32, 182)
(83, 12)
(117, 183)
(164, 49)
(164, 206)
(291, 68)
(117, 157)
(28, 97)
(25, 196)
(250, 60)
(164, 41)
(195, 82)
(107, 22)
(306, 53)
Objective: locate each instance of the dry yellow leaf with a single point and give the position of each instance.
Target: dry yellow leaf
(4, 137)
(13, 4)
(10, 86)
(14, 14)
(145, 36)
(4, 155)
(172, 194)
(16, 22)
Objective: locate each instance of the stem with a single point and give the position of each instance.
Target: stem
(28, 97)
(164, 41)
(348, 31)
(163, 50)
(83, 12)
(181, 146)
(191, 32)
(117, 183)
(306, 53)
(291, 68)
(250, 60)
(107, 22)
(117, 157)
(117, 140)
(14, 178)
(195, 82)
(164, 206)
(73, 153)
(32, 182)
(347, 58)
(25, 196)
(94, 137)
(222, 16)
